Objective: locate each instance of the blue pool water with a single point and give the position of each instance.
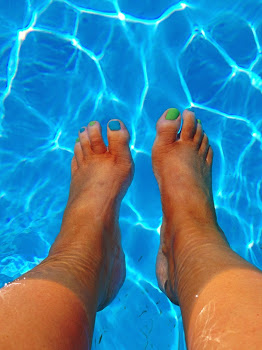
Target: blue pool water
(65, 63)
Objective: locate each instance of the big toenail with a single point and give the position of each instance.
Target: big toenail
(199, 121)
(82, 130)
(77, 140)
(92, 123)
(114, 125)
(172, 114)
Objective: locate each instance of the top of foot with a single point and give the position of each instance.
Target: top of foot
(105, 171)
(90, 240)
(182, 166)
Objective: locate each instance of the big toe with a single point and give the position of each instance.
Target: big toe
(168, 126)
(118, 139)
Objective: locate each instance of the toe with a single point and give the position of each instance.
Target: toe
(78, 153)
(204, 146)
(85, 142)
(189, 126)
(209, 156)
(168, 126)
(118, 139)
(199, 134)
(74, 165)
(95, 136)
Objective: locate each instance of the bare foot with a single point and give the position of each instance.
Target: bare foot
(182, 166)
(89, 243)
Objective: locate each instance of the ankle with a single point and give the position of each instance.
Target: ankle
(193, 233)
(74, 273)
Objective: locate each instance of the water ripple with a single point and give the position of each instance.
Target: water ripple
(63, 64)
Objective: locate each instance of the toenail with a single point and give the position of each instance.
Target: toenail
(172, 114)
(199, 121)
(114, 125)
(82, 130)
(92, 123)
(77, 140)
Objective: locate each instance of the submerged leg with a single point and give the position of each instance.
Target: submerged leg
(54, 305)
(220, 294)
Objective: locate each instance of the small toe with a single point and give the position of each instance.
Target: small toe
(204, 146)
(168, 126)
(209, 157)
(85, 142)
(78, 153)
(189, 126)
(74, 165)
(199, 135)
(118, 139)
(95, 137)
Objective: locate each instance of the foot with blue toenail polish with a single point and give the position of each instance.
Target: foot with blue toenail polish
(90, 230)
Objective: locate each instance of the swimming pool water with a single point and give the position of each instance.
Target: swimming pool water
(65, 63)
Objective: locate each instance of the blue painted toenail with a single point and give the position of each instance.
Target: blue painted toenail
(114, 125)
(82, 130)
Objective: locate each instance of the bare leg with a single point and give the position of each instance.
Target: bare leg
(54, 305)
(220, 294)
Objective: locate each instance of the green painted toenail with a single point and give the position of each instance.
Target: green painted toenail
(77, 140)
(92, 123)
(172, 114)
(199, 121)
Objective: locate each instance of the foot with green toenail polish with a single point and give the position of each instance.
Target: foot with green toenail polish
(199, 121)
(92, 123)
(188, 159)
(172, 114)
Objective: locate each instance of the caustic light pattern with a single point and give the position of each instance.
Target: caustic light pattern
(65, 63)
